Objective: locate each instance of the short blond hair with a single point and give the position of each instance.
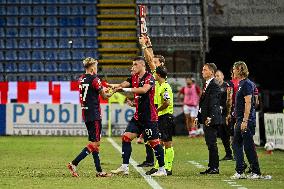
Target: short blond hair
(89, 61)
(242, 67)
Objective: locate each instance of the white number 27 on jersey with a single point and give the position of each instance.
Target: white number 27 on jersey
(84, 89)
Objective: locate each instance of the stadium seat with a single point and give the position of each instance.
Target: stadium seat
(91, 53)
(25, 32)
(91, 1)
(182, 21)
(182, 31)
(38, 32)
(26, 1)
(169, 21)
(26, 10)
(51, 32)
(195, 20)
(51, 55)
(51, 21)
(51, 43)
(24, 78)
(24, 67)
(12, 10)
(2, 10)
(11, 55)
(1, 67)
(65, 1)
(65, 32)
(168, 9)
(78, 32)
(91, 10)
(193, 1)
(12, 77)
(11, 67)
(77, 10)
(64, 21)
(78, 21)
(64, 55)
(143, 2)
(169, 31)
(181, 10)
(50, 67)
(155, 10)
(25, 21)
(2, 57)
(37, 55)
(77, 66)
(64, 43)
(78, 43)
(51, 78)
(11, 43)
(91, 32)
(38, 10)
(39, 2)
(91, 43)
(12, 21)
(64, 67)
(194, 10)
(38, 21)
(12, 1)
(64, 10)
(2, 44)
(37, 43)
(181, 1)
(51, 1)
(2, 33)
(78, 55)
(195, 32)
(155, 31)
(2, 22)
(51, 10)
(11, 32)
(24, 55)
(63, 78)
(37, 67)
(24, 43)
(91, 21)
(38, 77)
(155, 21)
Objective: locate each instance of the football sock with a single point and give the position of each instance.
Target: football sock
(97, 161)
(149, 154)
(159, 153)
(126, 151)
(169, 158)
(81, 156)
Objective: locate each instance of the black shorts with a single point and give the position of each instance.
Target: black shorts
(149, 129)
(94, 130)
(166, 126)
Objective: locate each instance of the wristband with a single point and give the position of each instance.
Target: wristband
(127, 89)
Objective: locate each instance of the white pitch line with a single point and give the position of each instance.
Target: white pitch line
(141, 171)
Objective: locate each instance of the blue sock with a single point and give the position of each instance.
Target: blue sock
(126, 151)
(81, 156)
(159, 153)
(97, 161)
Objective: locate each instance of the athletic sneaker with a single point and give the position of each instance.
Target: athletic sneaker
(161, 172)
(169, 172)
(151, 171)
(253, 176)
(72, 169)
(238, 176)
(121, 170)
(103, 174)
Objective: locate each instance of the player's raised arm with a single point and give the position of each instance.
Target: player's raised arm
(146, 47)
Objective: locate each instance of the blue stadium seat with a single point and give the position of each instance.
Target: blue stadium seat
(2, 44)
(51, 78)
(24, 67)
(169, 21)
(11, 67)
(194, 9)
(26, 1)
(50, 67)
(195, 31)
(1, 67)
(11, 32)
(12, 1)
(91, 32)
(24, 55)
(37, 43)
(64, 10)
(38, 77)
(64, 21)
(92, 53)
(39, 2)
(65, 1)
(51, 10)
(91, 43)
(78, 21)
(195, 21)
(12, 77)
(91, 21)
(64, 67)
(181, 9)
(169, 31)
(51, 1)
(168, 9)
(51, 55)
(2, 10)
(37, 67)
(51, 21)
(63, 78)
(38, 21)
(193, 1)
(155, 31)
(65, 32)
(182, 21)
(38, 10)
(37, 55)
(91, 1)
(91, 10)
(155, 10)
(25, 32)
(12, 21)
(2, 33)
(2, 22)
(78, 55)
(181, 1)
(38, 32)
(11, 55)
(182, 31)
(25, 43)
(78, 43)
(64, 43)
(77, 67)
(2, 78)
(143, 2)
(51, 43)
(24, 78)
(26, 10)
(78, 32)
(77, 10)
(155, 21)
(2, 57)
(25, 21)
(64, 55)
(12, 10)
(11, 43)
(51, 32)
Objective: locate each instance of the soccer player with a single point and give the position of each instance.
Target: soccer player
(145, 118)
(90, 88)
